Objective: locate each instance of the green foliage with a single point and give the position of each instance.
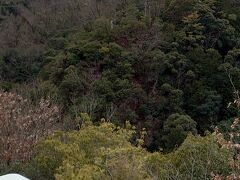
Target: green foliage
(17, 66)
(78, 149)
(196, 158)
(175, 11)
(37, 90)
(176, 129)
(125, 60)
(73, 83)
(102, 29)
(104, 152)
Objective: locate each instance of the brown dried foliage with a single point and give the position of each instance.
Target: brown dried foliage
(22, 125)
(232, 145)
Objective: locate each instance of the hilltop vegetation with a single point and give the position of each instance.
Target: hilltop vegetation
(169, 67)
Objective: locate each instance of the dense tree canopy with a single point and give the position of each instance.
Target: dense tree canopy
(72, 156)
(169, 67)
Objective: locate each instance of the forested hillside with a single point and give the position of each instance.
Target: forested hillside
(120, 89)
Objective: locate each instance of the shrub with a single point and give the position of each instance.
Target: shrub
(196, 158)
(75, 150)
(176, 128)
(104, 152)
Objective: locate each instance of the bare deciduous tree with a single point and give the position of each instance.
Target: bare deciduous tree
(22, 125)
